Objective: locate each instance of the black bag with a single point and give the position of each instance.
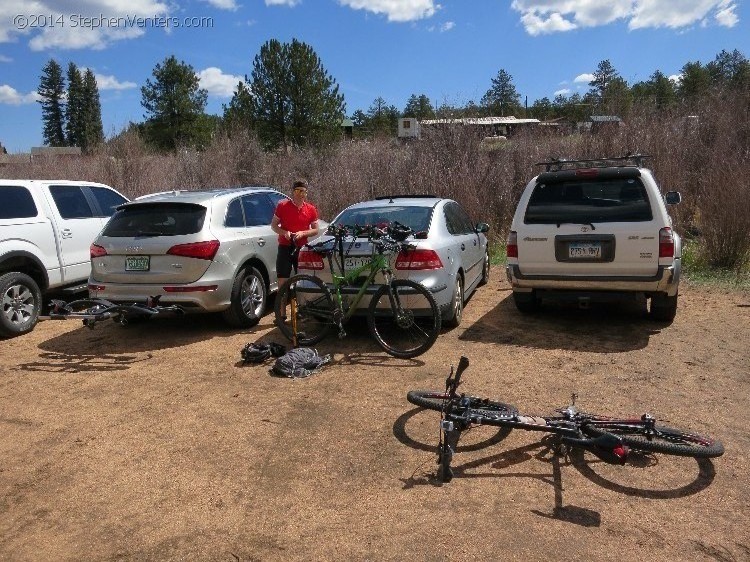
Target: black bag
(299, 363)
(259, 352)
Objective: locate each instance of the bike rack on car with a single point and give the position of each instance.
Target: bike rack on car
(94, 310)
(557, 164)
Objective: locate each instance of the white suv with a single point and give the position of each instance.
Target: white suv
(595, 230)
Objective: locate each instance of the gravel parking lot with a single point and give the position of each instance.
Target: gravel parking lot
(153, 441)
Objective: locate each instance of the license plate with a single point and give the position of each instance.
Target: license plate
(137, 263)
(586, 251)
(355, 263)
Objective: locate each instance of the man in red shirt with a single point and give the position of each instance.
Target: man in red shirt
(294, 221)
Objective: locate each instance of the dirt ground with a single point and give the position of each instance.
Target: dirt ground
(153, 441)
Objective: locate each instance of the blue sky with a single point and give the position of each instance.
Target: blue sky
(448, 50)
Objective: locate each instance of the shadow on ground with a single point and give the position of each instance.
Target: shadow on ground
(603, 328)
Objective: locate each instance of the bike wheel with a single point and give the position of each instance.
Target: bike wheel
(314, 309)
(410, 325)
(434, 400)
(662, 439)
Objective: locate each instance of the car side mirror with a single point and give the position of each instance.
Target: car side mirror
(672, 197)
(482, 227)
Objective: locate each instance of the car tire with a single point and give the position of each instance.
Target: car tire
(663, 308)
(456, 311)
(485, 269)
(21, 302)
(249, 299)
(527, 303)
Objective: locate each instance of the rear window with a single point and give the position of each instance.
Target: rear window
(618, 200)
(416, 218)
(16, 203)
(159, 219)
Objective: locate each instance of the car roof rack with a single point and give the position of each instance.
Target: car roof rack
(419, 196)
(558, 164)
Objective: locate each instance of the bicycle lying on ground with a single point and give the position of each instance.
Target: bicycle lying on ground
(608, 438)
(91, 311)
(402, 315)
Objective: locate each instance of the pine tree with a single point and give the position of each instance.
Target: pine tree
(239, 113)
(174, 103)
(603, 78)
(52, 91)
(93, 131)
(502, 97)
(74, 110)
(419, 107)
(295, 101)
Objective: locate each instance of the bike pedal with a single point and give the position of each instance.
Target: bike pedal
(342, 334)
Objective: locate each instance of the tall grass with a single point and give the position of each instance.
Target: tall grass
(707, 159)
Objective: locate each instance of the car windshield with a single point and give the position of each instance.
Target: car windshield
(157, 219)
(416, 218)
(618, 200)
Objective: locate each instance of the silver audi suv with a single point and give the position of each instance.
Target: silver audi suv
(206, 251)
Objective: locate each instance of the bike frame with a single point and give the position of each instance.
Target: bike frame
(378, 263)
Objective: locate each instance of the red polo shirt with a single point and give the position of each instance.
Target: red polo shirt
(294, 219)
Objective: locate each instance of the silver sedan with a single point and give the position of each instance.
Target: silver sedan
(451, 256)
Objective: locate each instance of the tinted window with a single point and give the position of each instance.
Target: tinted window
(71, 202)
(16, 203)
(276, 198)
(235, 218)
(107, 200)
(618, 200)
(156, 219)
(456, 220)
(416, 218)
(258, 209)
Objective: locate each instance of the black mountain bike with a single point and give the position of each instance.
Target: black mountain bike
(608, 438)
(92, 311)
(402, 315)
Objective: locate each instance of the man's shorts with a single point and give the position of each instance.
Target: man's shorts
(285, 262)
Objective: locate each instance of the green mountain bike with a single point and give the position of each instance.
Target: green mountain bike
(402, 315)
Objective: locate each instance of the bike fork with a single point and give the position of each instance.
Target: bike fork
(451, 432)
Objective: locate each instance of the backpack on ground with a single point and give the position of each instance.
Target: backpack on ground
(298, 363)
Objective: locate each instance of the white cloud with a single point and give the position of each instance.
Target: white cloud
(676, 79)
(536, 25)
(217, 83)
(395, 10)
(725, 14)
(11, 96)
(3, 58)
(67, 24)
(230, 5)
(585, 78)
(105, 82)
(551, 16)
(563, 92)
(447, 26)
(290, 3)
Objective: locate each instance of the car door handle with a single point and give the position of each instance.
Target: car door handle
(463, 247)
(67, 233)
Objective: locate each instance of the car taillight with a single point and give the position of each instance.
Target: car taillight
(666, 243)
(511, 247)
(96, 251)
(309, 260)
(587, 173)
(418, 259)
(200, 250)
